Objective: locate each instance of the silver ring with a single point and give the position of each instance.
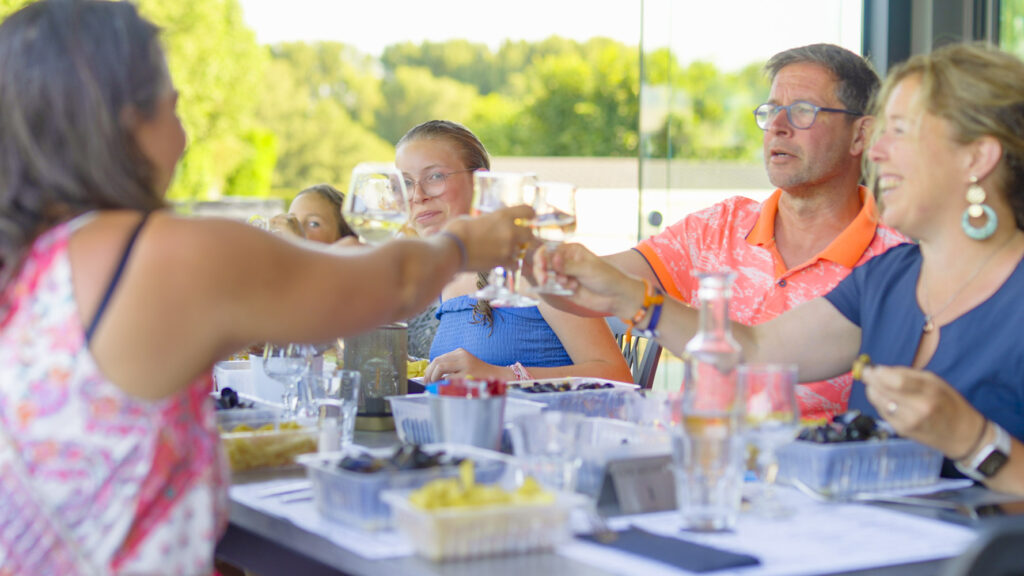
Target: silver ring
(891, 408)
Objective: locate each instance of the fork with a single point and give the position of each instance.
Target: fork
(866, 497)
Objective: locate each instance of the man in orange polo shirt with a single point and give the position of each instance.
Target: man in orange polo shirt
(807, 236)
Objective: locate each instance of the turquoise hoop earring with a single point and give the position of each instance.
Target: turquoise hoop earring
(977, 209)
(980, 232)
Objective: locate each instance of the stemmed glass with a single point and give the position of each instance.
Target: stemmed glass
(494, 191)
(773, 420)
(288, 364)
(376, 205)
(555, 206)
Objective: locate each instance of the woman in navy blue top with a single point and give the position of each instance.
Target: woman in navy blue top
(438, 159)
(940, 319)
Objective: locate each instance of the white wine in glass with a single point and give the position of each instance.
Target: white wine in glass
(555, 221)
(494, 191)
(376, 206)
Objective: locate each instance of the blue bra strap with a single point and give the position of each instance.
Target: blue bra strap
(114, 281)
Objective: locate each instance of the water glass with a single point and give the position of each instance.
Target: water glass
(707, 453)
(548, 445)
(772, 421)
(337, 404)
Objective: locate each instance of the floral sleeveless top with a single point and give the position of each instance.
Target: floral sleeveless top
(116, 484)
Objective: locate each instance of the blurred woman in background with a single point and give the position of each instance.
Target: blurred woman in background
(316, 211)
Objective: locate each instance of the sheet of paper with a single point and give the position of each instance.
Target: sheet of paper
(370, 545)
(818, 538)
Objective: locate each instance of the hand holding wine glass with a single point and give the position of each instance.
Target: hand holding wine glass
(493, 191)
(376, 206)
(555, 222)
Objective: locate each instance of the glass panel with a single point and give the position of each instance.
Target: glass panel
(701, 78)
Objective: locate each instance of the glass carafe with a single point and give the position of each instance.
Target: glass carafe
(708, 451)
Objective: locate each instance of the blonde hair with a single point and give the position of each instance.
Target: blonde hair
(979, 90)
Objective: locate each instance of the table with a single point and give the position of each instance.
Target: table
(270, 545)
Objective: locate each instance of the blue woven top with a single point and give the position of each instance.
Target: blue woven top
(520, 335)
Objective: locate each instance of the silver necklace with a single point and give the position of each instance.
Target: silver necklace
(929, 319)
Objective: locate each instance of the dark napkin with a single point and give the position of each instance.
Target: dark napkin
(675, 552)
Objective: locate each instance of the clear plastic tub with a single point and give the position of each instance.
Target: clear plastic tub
(415, 426)
(354, 498)
(601, 440)
(605, 402)
(460, 533)
(845, 468)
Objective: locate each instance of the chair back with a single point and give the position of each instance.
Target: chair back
(642, 354)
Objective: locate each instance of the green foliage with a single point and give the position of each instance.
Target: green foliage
(9, 6)
(274, 119)
(1011, 26)
(216, 64)
(253, 177)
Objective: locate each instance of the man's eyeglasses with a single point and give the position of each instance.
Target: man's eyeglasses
(801, 114)
(432, 184)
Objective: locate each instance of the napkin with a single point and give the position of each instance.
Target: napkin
(675, 552)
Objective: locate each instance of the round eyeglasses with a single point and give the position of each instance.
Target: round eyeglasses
(801, 114)
(432, 184)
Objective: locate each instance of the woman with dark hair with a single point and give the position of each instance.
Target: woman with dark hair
(316, 213)
(112, 310)
(465, 336)
(939, 319)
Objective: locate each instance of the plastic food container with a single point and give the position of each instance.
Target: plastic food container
(601, 440)
(414, 424)
(845, 468)
(460, 533)
(354, 498)
(258, 439)
(604, 402)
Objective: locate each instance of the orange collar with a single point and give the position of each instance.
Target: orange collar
(845, 249)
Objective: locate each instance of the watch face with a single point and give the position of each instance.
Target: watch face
(992, 463)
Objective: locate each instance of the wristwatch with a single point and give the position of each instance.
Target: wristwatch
(990, 459)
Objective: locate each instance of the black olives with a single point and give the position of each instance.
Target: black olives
(228, 400)
(405, 457)
(544, 387)
(849, 426)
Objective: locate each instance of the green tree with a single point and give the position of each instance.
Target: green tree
(414, 95)
(318, 141)
(217, 67)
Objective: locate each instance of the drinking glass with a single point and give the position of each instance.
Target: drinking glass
(287, 364)
(548, 445)
(773, 420)
(555, 206)
(337, 402)
(259, 221)
(376, 205)
(494, 191)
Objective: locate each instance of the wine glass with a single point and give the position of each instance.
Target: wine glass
(555, 206)
(376, 205)
(773, 420)
(494, 191)
(288, 363)
(259, 221)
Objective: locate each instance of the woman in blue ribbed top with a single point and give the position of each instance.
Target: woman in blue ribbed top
(438, 159)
